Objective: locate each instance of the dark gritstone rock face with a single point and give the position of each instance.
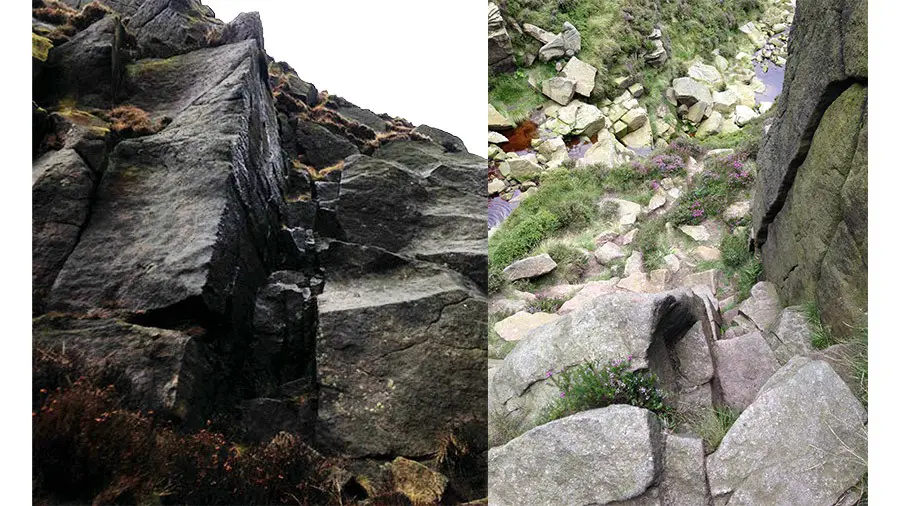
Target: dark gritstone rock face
(815, 248)
(261, 252)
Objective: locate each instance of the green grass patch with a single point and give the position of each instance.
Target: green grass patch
(498, 348)
(747, 276)
(597, 385)
(513, 96)
(821, 335)
(652, 242)
(722, 181)
(735, 250)
(712, 426)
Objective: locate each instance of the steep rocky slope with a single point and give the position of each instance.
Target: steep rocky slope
(237, 245)
(686, 326)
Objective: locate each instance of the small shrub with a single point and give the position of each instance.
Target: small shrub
(544, 304)
(735, 251)
(821, 335)
(570, 262)
(54, 12)
(596, 385)
(515, 239)
(651, 241)
(712, 191)
(130, 121)
(713, 425)
(89, 14)
(496, 279)
(747, 277)
(609, 210)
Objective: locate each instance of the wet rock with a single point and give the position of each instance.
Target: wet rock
(161, 370)
(164, 28)
(427, 363)
(171, 207)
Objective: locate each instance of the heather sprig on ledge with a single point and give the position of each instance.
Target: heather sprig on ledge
(597, 385)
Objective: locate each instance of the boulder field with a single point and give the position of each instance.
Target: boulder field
(242, 246)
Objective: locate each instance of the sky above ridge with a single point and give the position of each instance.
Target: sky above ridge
(423, 61)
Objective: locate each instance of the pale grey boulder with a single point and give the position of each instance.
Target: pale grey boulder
(594, 457)
(802, 442)
(743, 365)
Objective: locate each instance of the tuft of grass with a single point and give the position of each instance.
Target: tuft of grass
(503, 427)
(651, 241)
(597, 385)
(712, 426)
(735, 250)
(515, 239)
(748, 275)
(821, 335)
(131, 121)
(498, 348)
(570, 261)
(543, 304)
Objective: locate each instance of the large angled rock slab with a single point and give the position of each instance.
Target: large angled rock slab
(763, 306)
(190, 214)
(611, 327)
(684, 474)
(743, 365)
(401, 359)
(803, 441)
(61, 191)
(163, 370)
(451, 224)
(163, 28)
(790, 335)
(594, 457)
(82, 68)
(828, 51)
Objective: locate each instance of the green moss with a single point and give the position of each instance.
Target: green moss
(149, 65)
(40, 47)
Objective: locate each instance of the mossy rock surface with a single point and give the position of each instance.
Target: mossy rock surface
(40, 47)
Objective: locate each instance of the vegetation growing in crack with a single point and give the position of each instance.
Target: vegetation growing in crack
(597, 385)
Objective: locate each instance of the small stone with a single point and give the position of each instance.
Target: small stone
(609, 252)
(737, 210)
(672, 262)
(531, 267)
(496, 138)
(697, 233)
(634, 264)
(496, 186)
(629, 237)
(708, 254)
(559, 89)
(658, 200)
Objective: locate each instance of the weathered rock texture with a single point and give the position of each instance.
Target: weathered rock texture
(810, 211)
(255, 250)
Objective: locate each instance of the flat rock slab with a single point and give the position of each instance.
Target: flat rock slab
(684, 475)
(802, 442)
(790, 335)
(395, 346)
(166, 370)
(763, 306)
(531, 267)
(520, 324)
(743, 365)
(591, 291)
(697, 233)
(712, 279)
(594, 457)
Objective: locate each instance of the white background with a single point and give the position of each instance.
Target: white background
(419, 60)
